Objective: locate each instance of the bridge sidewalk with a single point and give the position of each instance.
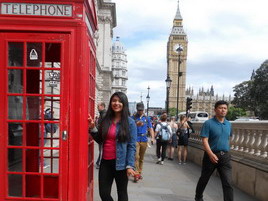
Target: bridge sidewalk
(169, 182)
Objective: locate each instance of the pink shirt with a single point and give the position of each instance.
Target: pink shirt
(109, 147)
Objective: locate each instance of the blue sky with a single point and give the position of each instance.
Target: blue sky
(227, 40)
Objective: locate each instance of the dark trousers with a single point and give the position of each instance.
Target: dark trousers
(161, 144)
(107, 174)
(225, 171)
(100, 154)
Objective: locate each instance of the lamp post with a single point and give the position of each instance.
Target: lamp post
(179, 50)
(148, 100)
(168, 83)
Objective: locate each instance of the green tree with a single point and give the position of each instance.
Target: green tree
(172, 111)
(259, 91)
(253, 94)
(234, 113)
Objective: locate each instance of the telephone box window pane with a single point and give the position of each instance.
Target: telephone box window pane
(33, 160)
(15, 54)
(52, 82)
(15, 185)
(34, 81)
(51, 161)
(33, 108)
(15, 160)
(33, 134)
(51, 142)
(15, 81)
(53, 54)
(33, 186)
(15, 132)
(51, 186)
(34, 54)
(15, 107)
(52, 108)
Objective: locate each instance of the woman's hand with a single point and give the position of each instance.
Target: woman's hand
(91, 123)
(130, 172)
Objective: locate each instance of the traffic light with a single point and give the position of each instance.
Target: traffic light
(188, 103)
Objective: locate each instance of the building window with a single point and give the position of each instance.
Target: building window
(123, 82)
(116, 81)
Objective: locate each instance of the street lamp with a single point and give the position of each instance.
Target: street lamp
(179, 50)
(148, 100)
(168, 84)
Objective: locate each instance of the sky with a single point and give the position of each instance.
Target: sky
(227, 39)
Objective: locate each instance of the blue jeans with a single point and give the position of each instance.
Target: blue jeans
(225, 171)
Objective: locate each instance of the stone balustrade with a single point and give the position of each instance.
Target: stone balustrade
(248, 139)
(249, 150)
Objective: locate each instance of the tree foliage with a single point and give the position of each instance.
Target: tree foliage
(234, 113)
(253, 94)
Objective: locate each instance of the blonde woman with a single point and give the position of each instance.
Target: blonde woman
(182, 134)
(174, 140)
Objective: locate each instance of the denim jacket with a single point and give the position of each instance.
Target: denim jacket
(125, 152)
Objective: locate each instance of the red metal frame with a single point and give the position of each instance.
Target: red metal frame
(77, 99)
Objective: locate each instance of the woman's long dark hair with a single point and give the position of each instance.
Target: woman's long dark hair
(123, 134)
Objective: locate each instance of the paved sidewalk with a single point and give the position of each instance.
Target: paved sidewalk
(169, 182)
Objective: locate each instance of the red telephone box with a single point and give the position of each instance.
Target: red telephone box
(47, 89)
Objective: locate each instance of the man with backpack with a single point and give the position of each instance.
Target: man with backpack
(163, 136)
(143, 125)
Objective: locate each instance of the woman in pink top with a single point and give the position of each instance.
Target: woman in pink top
(117, 133)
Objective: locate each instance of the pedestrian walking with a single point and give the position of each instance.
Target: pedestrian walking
(118, 134)
(102, 112)
(215, 135)
(183, 136)
(174, 139)
(163, 135)
(143, 125)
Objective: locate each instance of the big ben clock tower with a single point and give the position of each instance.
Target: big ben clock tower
(177, 51)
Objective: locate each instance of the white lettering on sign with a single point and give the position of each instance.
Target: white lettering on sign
(57, 10)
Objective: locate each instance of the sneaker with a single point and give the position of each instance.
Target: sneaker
(184, 163)
(179, 162)
(198, 199)
(159, 159)
(161, 162)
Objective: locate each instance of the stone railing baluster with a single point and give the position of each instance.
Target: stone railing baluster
(236, 146)
(258, 143)
(264, 145)
(246, 141)
(251, 142)
(232, 141)
(241, 139)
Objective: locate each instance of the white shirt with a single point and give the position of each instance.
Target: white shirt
(158, 127)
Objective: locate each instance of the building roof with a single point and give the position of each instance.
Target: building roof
(178, 13)
(118, 47)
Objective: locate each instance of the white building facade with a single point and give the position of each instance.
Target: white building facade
(119, 67)
(106, 12)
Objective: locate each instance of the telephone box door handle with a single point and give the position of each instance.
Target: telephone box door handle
(64, 135)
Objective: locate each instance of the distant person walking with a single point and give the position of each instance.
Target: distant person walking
(143, 125)
(102, 112)
(117, 132)
(174, 140)
(163, 134)
(183, 136)
(215, 135)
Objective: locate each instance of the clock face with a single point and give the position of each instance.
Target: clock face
(177, 47)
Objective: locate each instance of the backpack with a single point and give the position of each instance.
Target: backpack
(164, 133)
